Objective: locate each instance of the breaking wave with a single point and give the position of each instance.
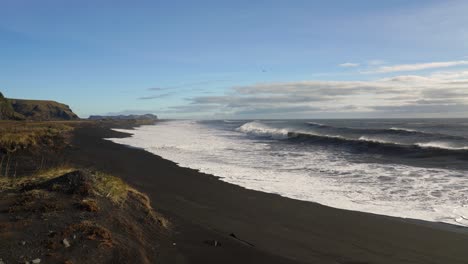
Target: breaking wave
(364, 142)
(258, 129)
(395, 131)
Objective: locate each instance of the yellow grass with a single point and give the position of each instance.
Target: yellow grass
(104, 185)
(111, 187)
(9, 183)
(22, 135)
(118, 192)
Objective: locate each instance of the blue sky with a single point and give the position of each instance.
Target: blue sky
(239, 59)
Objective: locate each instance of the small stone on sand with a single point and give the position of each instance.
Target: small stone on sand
(66, 243)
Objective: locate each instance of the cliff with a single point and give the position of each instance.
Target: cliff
(38, 110)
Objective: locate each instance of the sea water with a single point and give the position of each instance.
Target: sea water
(415, 168)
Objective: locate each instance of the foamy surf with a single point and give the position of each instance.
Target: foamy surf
(404, 129)
(259, 129)
(441, 145)
(310, 173)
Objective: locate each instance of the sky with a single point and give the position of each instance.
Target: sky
(239, 59)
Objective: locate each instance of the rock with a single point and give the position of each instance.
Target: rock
(214, 243)
(23, 243)
(66, 243)
(36, 261)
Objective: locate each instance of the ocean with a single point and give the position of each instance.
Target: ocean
(411, 168)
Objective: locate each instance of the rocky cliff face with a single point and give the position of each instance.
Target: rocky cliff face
(6, 110)
(18, 109)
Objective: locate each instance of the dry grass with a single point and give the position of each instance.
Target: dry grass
(23, 135)
(88, 205)
(37, 201)
(111, 187)
(101, 184)
(41, 176)
(145, 204)
(91, 231)
(119, 192)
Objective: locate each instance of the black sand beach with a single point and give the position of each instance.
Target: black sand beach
(268, 228)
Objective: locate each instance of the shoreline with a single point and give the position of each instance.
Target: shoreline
(280, 228)
(450, 226)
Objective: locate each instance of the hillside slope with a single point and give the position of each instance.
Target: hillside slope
(38, 110)
(6, 110)
(42, 110)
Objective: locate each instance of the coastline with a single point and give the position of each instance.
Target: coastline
(268, 227)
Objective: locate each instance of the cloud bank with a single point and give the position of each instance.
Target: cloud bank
(420, 66)
(436, 95)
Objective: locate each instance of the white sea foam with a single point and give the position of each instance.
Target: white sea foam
(403, 129)
(316, 124)
(375, 140)
(314, 174)
(259, 129)
(441, 145)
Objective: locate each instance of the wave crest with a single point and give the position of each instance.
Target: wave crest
(405, 130)
(375, 140)
(258, 129)
(371, 144)
(440, 145)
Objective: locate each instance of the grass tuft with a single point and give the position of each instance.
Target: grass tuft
(25, 135)
(88, 205)
(119, 192)
(39, 177)
(111, 187)
(91, 231)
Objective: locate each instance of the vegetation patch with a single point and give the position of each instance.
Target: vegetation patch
(77, 215)
(16, 136)
(91, 231)
(14, 183)
(119, 192)
(88, 205)
(144, 204)
(111, 187)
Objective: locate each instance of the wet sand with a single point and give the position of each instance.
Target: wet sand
(268, 228)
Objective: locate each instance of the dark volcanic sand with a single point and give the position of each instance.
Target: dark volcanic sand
(273, 229)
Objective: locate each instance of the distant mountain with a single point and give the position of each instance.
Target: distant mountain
(124, 117)
(38, 110)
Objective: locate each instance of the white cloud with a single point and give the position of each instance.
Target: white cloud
(375, 62)
(349, 64)
(419, 66)
(441, 94)
(453, 75)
